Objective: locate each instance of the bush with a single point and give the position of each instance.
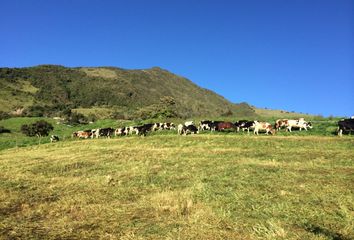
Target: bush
(4, 130)
(4, 115)
(77, 118)
(39, 129)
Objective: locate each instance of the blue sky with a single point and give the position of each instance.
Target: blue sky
(296, 55)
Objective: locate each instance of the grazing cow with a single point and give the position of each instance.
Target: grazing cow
(54, 138)
(345, 126)
(281, 123)
(157, 126)
(144, 129)
(120, 131)
(74, 134)
(301, 124)
(180, 129)
(190, 129)
(94, 133)
(214, 125)
(104, 132)
(163, 126)
(208, 125)
(264, 126)
(169, 126)
(244, 125)
(82, 134)
(130, 130)
(205, 125)
(188, 123)
(225, 125)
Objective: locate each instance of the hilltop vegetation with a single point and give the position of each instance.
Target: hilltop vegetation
(49, 89)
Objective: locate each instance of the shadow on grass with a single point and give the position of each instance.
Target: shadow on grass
(317, 230)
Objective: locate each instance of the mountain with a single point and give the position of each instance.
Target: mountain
(53, 86)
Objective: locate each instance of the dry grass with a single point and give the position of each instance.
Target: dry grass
(169, 187)
(99, 72)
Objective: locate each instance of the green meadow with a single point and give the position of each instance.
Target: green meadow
(209, 186)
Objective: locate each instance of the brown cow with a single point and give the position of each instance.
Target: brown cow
(82, 134)
(280, 123)
(267, 127)
(225, 125)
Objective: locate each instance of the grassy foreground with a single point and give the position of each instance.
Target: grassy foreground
(176, 187)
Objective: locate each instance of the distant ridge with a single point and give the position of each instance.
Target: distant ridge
(110, 87)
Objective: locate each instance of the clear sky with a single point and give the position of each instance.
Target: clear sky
(296, 55)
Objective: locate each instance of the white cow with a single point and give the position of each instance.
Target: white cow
(264, 126)
(301, 124)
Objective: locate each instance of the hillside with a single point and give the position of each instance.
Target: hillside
(111, 88)
(169, 187)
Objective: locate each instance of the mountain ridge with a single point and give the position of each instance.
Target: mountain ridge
(133, 90)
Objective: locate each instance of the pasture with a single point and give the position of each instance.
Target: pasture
(164, 186)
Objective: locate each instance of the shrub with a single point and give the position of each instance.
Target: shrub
(39, 129)
(4, 115)
(77, 118)
(4, 130)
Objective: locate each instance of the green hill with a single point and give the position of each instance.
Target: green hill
(136, 91)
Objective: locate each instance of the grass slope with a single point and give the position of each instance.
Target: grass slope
(109, 87)
(221, 186)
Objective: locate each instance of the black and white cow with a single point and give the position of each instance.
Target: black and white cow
(245, 125)
(103, 132)
(209, 125)
(205, 125)
(190, 129)
(345, 126)
(54, 138)
(300, 124)
(144, 129)
(163, 126)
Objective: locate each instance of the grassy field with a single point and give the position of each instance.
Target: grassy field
(207, 186)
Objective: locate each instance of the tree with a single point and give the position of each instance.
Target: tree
(39, 129)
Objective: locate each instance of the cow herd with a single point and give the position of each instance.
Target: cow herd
(345, 126)
(124, 131)
(245, 125)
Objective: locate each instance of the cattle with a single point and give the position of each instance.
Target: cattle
(82, 134)
(169, 126)
(144, 129)
(121, 131)
(130, 130)
(244, 125)
(205, 125)
(208, 125)
(188, 123)
(54, 138)
(104, 132)
(187, 128)
(225, 125)
(301, 124)
(157, 126)
(190, 129)
(163, 126)
(93, 133)
(180, 129)
(345, 126)
(264, 126)
(281, 123)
